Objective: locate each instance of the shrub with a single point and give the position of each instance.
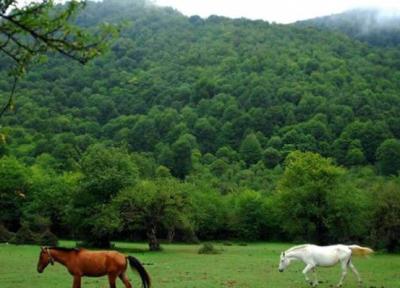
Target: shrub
(208, 248)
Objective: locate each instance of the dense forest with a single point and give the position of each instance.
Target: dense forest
(194, 129)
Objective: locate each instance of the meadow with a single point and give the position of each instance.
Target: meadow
(180, 266)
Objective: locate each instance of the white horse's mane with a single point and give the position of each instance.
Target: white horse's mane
(296, 248)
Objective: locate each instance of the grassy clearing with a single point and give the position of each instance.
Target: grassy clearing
(180, 266)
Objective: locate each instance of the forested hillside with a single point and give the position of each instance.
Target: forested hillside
(205, 112)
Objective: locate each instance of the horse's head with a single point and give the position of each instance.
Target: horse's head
(44, 259)
(284, 261)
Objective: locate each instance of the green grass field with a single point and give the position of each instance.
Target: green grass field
(179, 266)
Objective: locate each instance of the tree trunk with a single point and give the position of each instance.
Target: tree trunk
(171, 235)
(154, 244)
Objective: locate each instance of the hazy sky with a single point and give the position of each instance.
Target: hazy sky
(281, 11)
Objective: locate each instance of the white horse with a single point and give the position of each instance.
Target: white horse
(324, 256)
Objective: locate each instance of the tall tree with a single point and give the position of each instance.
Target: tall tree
(388, 157)
(250, 149)
(155, 206)
(304, 191)
(106, 171)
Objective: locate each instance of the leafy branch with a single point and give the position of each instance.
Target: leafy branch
(43, 27)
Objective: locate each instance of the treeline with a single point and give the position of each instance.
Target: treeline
(199, 123)
(118, 195)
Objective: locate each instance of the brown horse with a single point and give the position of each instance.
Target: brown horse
(82, 262)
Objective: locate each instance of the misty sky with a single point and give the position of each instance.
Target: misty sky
(281, 11)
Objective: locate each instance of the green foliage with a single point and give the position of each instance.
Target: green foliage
(29, 31)
(154, 205)
(208, 248)
(95, 152)
(182, 155)
(249, 215)
(388, 157)
(106, 171)
(14, 183)
(250, 149)
(307, 193)
(386, 216)
(272, 157)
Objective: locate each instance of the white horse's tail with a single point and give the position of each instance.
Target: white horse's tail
(360, 251)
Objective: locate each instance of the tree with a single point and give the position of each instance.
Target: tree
(386, 216)
(271, 157)
(106, 171)
(303, 195)
(182, 155)
(50, 198)
(249, 217)
(14, 186)
(153, 206)
(250, 149)
(388, 157)
(33, 30)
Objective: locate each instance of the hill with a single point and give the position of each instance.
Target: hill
(215, 81)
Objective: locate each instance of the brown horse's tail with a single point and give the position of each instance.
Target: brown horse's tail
(134, 263)
(360, 251)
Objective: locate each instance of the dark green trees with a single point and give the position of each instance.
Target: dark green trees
(250, 149)
(388, 157)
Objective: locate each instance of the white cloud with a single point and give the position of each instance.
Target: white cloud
(281, 11)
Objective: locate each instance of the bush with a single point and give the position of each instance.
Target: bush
(208, 248)
(25, 236)
(48, 238)
(5, 235)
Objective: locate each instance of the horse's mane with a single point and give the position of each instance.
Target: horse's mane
(65, 249)
(296, 248)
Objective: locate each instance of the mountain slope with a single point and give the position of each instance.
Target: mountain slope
(170, 81)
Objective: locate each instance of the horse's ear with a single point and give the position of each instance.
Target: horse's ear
(283, 254)
(42, 248)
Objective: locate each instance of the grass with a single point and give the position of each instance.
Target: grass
(180, 266)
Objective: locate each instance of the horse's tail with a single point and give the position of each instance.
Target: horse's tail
(360, 251)
(134, 263)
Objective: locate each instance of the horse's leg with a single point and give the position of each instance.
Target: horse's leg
(77, 281)
(355, 272)
(306, 270)
(125, 279)
(315, 277)
(111, 280)
(344, 264)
